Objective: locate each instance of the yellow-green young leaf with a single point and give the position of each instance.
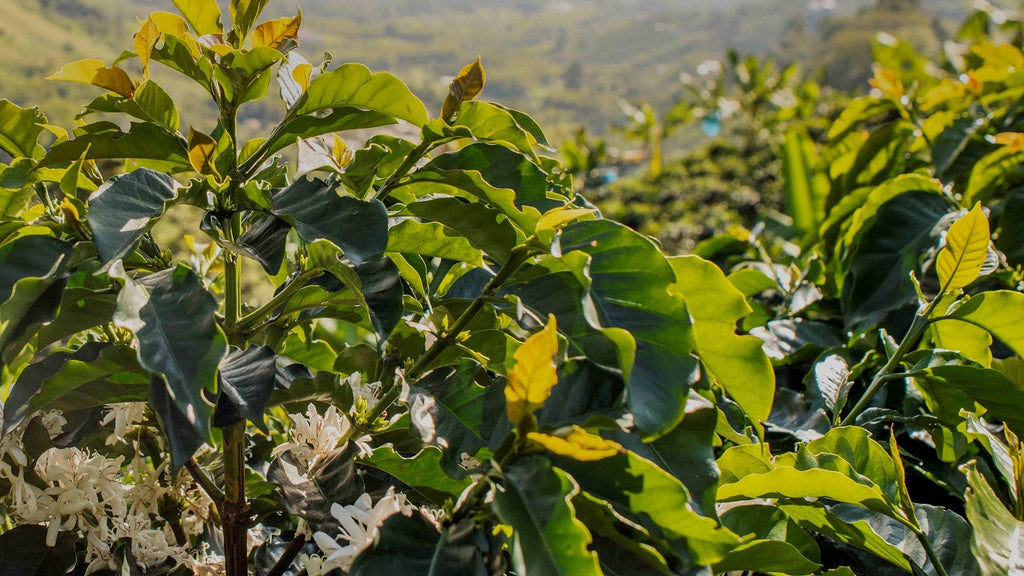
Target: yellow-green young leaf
(577, 444)
(202, 15)
(531, 379)
(145, 39)
(273, 32)
(95, 72)
(463, 88)
(244, 14)
(960, 261)
(901, 476)
(560, 216)
(200, 152)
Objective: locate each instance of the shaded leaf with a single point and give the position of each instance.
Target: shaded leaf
(412, 545)
(181, 430)
(24, 552)
(535, 502)
(159, 147)
(247, 379)
(309, 493)
(124, 209)
(422, 472)
(244, 14)
(998, 537)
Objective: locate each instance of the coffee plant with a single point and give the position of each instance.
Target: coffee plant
(462, 368)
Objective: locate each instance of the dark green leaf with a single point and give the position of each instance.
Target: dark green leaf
(817, 518)
(179, 427)
(317, 212)
(172, 316)
(247, 379)
(23, 552)
(309, 493)
(30, 288)
(502, 168)
(956, 149)
(551, 541)
(124, 208)
(884, 255)
(411, 545)
(339, 120)
(788, 340)
(265, 242)
(629, 288)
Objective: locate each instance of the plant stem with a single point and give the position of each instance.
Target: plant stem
(264, 311)
(410, 161)
(885, 374)
(288, 556)
(205, 482)
(234, 515)
(930, 552)
(448, 338)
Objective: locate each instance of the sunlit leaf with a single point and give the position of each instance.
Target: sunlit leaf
(274, 32)
(967, 240)
(466, 85)
(19, 129)
(95, 72)
(577, 444)
(201, 152)
(202, 15)
(531, 379)
(352, 85)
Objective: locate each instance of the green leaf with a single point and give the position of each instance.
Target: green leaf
(653, 498)
(412, 545)
(483, 226)
(885, 253)
(990, 388)
(767, 556)
(992, 173)
(244, 14)
(309, 493)
(352, 85)
(161, 149)
(29, 285)
(151, 104)
(80, 309)
(95, 375)
(339, 120)
(947, 532)
(124, 209)
(629, 289)
(180, 430)
(202, 15)
(431, 180)
(172, 316)
(421, 472)
(960, 260)
(817, 518)
(433, 240)
(797, 176)
(997, 312)
(551, 541)
(19, 130)
(737, 362)
(998, 537)
(247, 379)
(317, 212)
(491, 123)
(856, 113)
(24, 551)
(786, 482)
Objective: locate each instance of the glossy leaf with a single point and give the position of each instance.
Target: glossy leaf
(482, 225)
(737, 362)
(173, 318)
(202, 152)
(183, 432)
(785, 482)
(960, 260)
(531, 379)
(29, 285)
(317, 212)
(997, 312)
(247, 379)
(124, 208)
(817, 518)
(273, 33)
(767, 556)
(536, 503)
(309, 493)
(340, 119)
(352, 85)
(990, 388)
(412, 545)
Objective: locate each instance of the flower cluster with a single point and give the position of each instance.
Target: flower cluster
(315, 436)
(360, 523)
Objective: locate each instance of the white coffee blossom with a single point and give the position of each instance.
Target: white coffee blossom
(314, 437)
(365, 395)
(54, 422)
(360, 523)
(124, 415)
